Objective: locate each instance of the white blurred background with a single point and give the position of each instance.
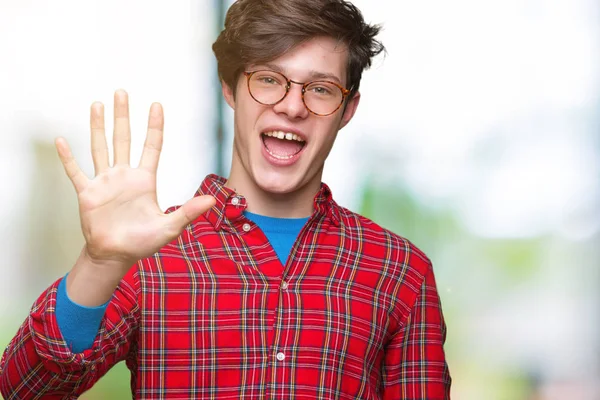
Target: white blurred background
(477, 137)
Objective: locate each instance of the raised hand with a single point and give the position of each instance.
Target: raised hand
(120, 217)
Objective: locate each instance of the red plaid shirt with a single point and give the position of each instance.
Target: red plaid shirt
(354, 314)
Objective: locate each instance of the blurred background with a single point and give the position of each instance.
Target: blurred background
(477, 137)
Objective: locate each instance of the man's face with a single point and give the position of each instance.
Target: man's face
(277, 165)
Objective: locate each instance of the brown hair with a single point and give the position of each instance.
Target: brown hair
(259, 31)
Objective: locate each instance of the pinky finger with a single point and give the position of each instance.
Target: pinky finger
(73, 171)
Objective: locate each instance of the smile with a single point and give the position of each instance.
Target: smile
(282, 145)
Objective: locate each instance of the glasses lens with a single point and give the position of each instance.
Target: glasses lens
(267, 87)
(322, 97)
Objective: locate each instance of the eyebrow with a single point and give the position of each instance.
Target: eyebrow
(313, 74)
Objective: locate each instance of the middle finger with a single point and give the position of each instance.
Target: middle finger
(122, 132)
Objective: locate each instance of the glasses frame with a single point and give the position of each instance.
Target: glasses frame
(345, 92)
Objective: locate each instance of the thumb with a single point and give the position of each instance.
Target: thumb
(192, 209)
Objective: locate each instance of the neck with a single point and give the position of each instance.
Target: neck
(279, 205)
(295, 204)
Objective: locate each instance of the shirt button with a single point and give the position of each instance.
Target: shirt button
(246, 227)
(284, 285)
(280, 356)
(235, 201)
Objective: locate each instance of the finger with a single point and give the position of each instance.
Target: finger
(73, 171)
(188, 212)
(122, 132)
(154, 139)
(99, 145)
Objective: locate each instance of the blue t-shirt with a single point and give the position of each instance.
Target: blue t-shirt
(281, 232)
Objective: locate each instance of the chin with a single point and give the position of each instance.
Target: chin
(277, 187)
(277, 183)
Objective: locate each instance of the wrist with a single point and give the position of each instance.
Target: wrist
(92, 282)
(112, 266)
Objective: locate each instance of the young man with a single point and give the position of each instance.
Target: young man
(261, 286)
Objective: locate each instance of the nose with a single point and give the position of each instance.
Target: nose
(292, 104)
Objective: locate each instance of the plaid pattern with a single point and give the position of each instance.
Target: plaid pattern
(354, 314)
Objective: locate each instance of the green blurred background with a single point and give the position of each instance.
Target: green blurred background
(477, 138)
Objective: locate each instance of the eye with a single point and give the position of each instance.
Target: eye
(322, 89)
(267, 79)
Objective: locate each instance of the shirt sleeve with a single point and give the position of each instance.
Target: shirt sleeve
(415, 365)
(78, 324)
(38, 363)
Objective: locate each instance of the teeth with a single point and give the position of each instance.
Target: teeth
(284, 135)
(278, 156)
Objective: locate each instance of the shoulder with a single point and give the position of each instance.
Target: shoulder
(383, 243)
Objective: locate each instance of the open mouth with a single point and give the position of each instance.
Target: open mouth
(282, 145)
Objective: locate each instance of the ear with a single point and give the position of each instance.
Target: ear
(228, 95)
(350, 109)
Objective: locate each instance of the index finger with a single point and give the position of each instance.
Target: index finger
(154, 138)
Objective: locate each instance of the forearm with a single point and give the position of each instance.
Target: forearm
(38, 361)
(415, 362)
(78, 324)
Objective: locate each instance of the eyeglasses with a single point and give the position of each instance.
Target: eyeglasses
(321, 98)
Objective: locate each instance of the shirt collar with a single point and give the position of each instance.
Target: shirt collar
(228, 210)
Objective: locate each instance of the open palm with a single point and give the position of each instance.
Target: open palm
(120, 217)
